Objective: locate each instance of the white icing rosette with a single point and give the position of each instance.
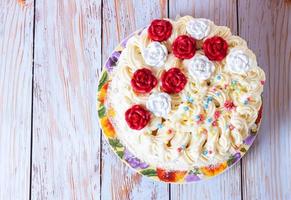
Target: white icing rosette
(240, 60)
(200, 67)
(155, 54)
(159, 104)
(198, 28)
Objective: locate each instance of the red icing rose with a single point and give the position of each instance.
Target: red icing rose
(184, 47)
(215, 48)
(173, 80)
(137, 117)
(160, 30)
(143, 81)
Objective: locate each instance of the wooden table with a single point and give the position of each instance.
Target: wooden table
(51, 53)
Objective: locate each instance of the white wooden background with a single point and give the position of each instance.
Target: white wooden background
(51, 53)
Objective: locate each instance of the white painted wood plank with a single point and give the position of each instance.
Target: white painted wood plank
(227, 185)
(120, 19)
(66, 138)
(16, 42)
(266, 25)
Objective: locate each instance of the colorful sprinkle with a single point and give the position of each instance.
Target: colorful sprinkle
(231, 127)
(209, 120)
(190, 99)
(216, 114)
(214, 123)
(160, 126)
(205, 152)
(218, 94)
(229, 105)
(234, 82)
(246, 102)
(262, 82)
(183, 147)
(209, 99)
(186, 108)
(200, 118)
(218, 77)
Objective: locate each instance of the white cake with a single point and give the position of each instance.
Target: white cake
(185, 94)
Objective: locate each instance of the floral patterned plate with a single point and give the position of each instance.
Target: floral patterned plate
(193, 175)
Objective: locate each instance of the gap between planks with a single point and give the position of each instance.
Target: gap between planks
(32, 93)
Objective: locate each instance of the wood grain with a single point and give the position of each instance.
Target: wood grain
(266, 25)
(120, 18)
(66, 138)
(227, 185)
(16, 39)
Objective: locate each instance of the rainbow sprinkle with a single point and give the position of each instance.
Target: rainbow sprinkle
(189, 99)
(246, 102)
(183, 147)
(205, 152)
(199, 118)
(186, 108)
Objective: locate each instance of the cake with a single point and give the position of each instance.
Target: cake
(181, 101)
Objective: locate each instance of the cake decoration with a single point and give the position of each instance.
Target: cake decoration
(184, 47)
(159, 104)
(239, 61)
(229, 105)
(143, 81)
(181, 100)
(198, 28)
(173, 81)
(160, 30)
(215, 48)
(137, 117)
(155, 54)
(200, 67)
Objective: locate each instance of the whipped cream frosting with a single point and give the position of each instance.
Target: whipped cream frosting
(200, 67)
(192, 128)
(159, 104)
(155, 54)
(198, 28)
